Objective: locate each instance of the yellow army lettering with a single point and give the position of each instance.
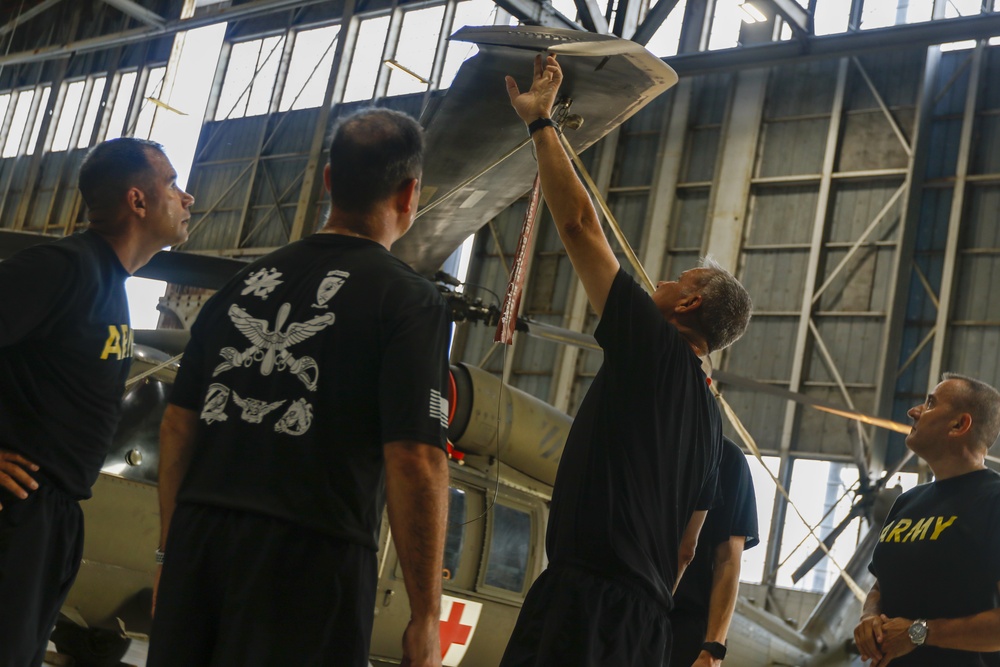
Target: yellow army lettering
(119, 342)
(896, 531)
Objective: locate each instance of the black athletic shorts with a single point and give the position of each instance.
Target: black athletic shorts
(688, 636)
(573, 617)
(248, 590)
(41, 545)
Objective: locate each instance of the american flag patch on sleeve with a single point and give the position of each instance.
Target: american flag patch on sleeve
(439, 407)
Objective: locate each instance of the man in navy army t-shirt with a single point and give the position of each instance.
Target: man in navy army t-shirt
(65, 352)
(640, 461)
(936, 597)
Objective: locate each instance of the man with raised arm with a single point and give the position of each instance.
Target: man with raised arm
(641, 458)
(936, 597)
(65, 352)
(311, 396)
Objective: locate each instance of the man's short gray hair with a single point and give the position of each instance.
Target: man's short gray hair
(982, 401)
(725, 306)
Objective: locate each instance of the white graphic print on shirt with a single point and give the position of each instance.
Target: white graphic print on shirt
(297, 418)
(215, 403)
(262, 283)
(329, 286)
(270, 347)
(254, 409)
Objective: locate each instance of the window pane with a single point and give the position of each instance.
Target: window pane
(831, 16)
(4, 105)
(367, 59)
(474, 13)
(263, 83)
(306, 81)
(817, 486)
(249, 79)
(415, 51)
(726, 24)
(752, 569)
(19, 123)
(508, 558)
(455, 537)
(120, 110)
(93, 108)
(154, 84)
(36, 130)
(667, 37)
(67, 117)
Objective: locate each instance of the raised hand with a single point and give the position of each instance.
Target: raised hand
(537, 102)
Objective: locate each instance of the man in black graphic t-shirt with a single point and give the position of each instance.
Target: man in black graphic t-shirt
(65, 351)
(936, 598)
(311, 396)
(640, 462)
(706, 597)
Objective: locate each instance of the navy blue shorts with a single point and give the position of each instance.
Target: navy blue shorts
(248, 590)
(41, 545)
(575, 618)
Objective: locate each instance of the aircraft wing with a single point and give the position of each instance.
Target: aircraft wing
(608, 78)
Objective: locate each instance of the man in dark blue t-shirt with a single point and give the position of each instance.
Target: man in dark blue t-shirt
(640, 461)
(936, 597)
(65, 352)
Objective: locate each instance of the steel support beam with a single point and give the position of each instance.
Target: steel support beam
(654, 19)
(249, 10)
(950, 270)
(797, 18)
(626, 18)
(799, 355)
(591, 16)
(980, 26)
(27, 15)
(536, 12)
(138, 12)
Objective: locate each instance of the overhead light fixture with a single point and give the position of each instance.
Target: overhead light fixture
(751, 14)
(405, 70)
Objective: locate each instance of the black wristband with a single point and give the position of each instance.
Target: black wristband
(715, 649)
(539, 123)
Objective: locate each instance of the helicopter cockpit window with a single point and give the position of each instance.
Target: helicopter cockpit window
(507, 565)
(456, 532)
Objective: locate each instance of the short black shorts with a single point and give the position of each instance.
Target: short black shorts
(573, 617)
(41, 545)
(247, 590)
(688, 636)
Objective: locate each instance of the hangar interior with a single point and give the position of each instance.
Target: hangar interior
(841, 157)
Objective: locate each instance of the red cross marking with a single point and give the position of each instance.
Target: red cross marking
(452, 630)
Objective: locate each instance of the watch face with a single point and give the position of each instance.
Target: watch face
(918, 632)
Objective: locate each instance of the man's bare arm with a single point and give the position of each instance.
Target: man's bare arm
(725, 587)
(416, 477)
(868, 633)
(572, 210)
(689, 544)
(177, 434)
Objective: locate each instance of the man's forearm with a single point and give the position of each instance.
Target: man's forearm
(980, 632)
(725, 588)
(873, 603)
(417, 500)
(177, 434)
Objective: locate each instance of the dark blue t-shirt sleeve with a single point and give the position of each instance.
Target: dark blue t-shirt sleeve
(711, 493)
(189, 385)
(739, 509)
(54, 281)
(414, 395)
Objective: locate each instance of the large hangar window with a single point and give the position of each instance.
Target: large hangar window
(309, 69)
(367, 59)
(249, 79)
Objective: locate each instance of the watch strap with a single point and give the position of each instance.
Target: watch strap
(539, 123)
(715, 649)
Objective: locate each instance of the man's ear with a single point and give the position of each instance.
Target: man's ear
(136, 201)
(326, 177)
(688, 303)
(408, 196)
(962, 424)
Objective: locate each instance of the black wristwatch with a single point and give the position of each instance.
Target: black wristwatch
(715, 649)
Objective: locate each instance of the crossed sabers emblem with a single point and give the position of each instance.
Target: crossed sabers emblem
(270, 347)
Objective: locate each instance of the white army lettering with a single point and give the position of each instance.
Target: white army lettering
(905, 530)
